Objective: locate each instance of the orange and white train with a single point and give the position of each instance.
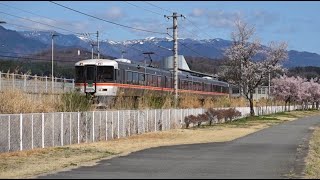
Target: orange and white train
(104, 78)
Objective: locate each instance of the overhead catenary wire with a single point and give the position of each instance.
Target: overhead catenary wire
(27, 11)
(157, 7)
(104, 20)
(38, 22)
(143, 8)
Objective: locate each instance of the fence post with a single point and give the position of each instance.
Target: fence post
(32, 131)
(123, 126)
(72, 84)
(35, 84)
(52, 129)
(64, 84)
(129, 122)
(118, 124)
(86, 127)
(61, 129)
(155, 120)
(169, 120)
(100, 127)
(20, 131)
(0, 79)
(111, 124)
(9, 131)
(78, 127)
(138, 121)
(13, 80)
(70, 129)
(181, 118)
(147, 120)
(25, 82)
(42, 129)
(106, 125)
(92, 126)
(46, 84)
(143, 123)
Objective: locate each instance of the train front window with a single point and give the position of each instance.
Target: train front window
(79, 74)
(105, 73)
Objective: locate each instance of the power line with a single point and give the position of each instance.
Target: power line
(38, 22)
(144, 30)
(199, 28)
(158, 7)
(28, 12)
(190, 48)
(143, 8)
(185, 17)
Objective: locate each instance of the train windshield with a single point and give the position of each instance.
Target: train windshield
(105, 73)
(94, 73)
(79, 74)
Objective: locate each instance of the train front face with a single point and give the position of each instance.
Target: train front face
(96, 77)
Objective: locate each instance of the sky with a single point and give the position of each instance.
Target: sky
(293, 22)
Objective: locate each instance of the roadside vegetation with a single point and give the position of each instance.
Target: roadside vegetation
(34, 162)
(312, 169)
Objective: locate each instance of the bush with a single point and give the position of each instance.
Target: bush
(211, 115)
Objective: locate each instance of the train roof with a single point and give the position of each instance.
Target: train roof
(101, 62)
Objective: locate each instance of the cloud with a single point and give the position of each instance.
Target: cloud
(197, 12)
(225, 19)
(114, 13)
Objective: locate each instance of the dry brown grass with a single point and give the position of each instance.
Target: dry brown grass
(35, 162)
(15, 101)
(312, 170)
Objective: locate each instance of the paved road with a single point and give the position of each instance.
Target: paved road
(274, 152)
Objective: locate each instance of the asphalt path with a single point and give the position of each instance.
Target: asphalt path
(275, 152)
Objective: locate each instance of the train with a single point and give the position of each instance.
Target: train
(107, 78)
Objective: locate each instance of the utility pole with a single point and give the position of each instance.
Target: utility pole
(175, 54)
(52, 85)
(98, 44)
(92, 45)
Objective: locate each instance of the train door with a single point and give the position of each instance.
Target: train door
(90, 79)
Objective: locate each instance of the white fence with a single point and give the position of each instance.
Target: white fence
(40, 130)
(35, 84)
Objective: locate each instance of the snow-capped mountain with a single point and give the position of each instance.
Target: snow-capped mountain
(15, 42)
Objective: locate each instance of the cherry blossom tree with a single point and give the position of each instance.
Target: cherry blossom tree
(245, 68)
(296, 89)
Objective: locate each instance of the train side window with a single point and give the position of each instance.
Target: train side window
(129, 77)
(135, 78)
(149, 79)
(141, 79)
(159, 81)
(154, 80)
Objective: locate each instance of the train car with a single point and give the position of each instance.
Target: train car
(105, 78)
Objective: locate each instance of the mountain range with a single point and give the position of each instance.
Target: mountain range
(25, 43)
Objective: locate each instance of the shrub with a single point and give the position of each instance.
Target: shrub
(212, 114)
(202, 118)
(230, 114)
(190, 119)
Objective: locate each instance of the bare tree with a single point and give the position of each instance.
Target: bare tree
(248, 63)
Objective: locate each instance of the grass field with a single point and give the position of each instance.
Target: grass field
(28, 164)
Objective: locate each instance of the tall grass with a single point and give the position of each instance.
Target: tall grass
(73, 102)
(15, 101)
